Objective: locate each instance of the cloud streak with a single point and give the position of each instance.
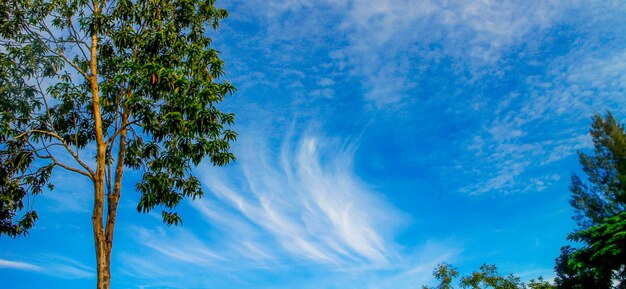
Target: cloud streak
(301, 205)
(309, 201)
(19, 265)
(59, 267)
(525, 138)
(392, 45)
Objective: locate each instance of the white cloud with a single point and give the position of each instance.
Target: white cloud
(19, 265)
(300, 206)
(275, 211)
(308, 199)
(194, 251)
(590, 84)
(325, 82)
(69, 198)
(390, 40)
(413, 269)
(57, 266)
(324, 92)
(389, 44)
(72, 271)
(574, 89)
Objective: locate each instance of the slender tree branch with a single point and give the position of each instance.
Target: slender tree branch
(50, 156)
(52, 51)
(122, 128)
(67, 147)
(76, 170)
(70, 62)
(45, 102)
(30, 174)
(78, 41)
(108, 173)
(113, 199)
(45, 27)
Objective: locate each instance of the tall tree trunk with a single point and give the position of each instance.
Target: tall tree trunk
(103, 251)
(114, 197)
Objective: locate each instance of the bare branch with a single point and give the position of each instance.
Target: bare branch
(70, 62)
(50, 156)
(124, 127)
(52, 51)
(45, 27)
(78, 41)
(67, 147)
(45, 102)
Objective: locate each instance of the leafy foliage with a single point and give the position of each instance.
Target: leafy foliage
(604, 193)
(540, 283)
(600, 205)
(574, 277)
(604, 256)
(155, 81)
(18, 100)
(95, 87)
(444, 273)
(486, 277)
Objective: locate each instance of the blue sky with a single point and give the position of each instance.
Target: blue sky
(377, 139)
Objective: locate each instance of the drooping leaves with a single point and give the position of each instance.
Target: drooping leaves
(158, 80)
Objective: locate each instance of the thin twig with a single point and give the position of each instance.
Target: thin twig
(58, 163)
(67, 147)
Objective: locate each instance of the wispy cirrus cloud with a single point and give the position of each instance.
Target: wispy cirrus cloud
(19, 265)
(301, 204)
(526, 136)
(392, 46)
(310, 201)
(398, 51)
(56, 266)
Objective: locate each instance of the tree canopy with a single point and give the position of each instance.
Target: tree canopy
(603, 195)
(96, 87)
(600, 205)
(487, 276)
(605, 252)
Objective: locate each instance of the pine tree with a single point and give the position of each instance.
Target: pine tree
(604, 193)
(600, 206)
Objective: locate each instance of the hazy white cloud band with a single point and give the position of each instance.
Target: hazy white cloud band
(300, 206)
(308, 200)
(58, 266)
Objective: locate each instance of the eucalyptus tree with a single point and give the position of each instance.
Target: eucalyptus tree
(99, 87)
